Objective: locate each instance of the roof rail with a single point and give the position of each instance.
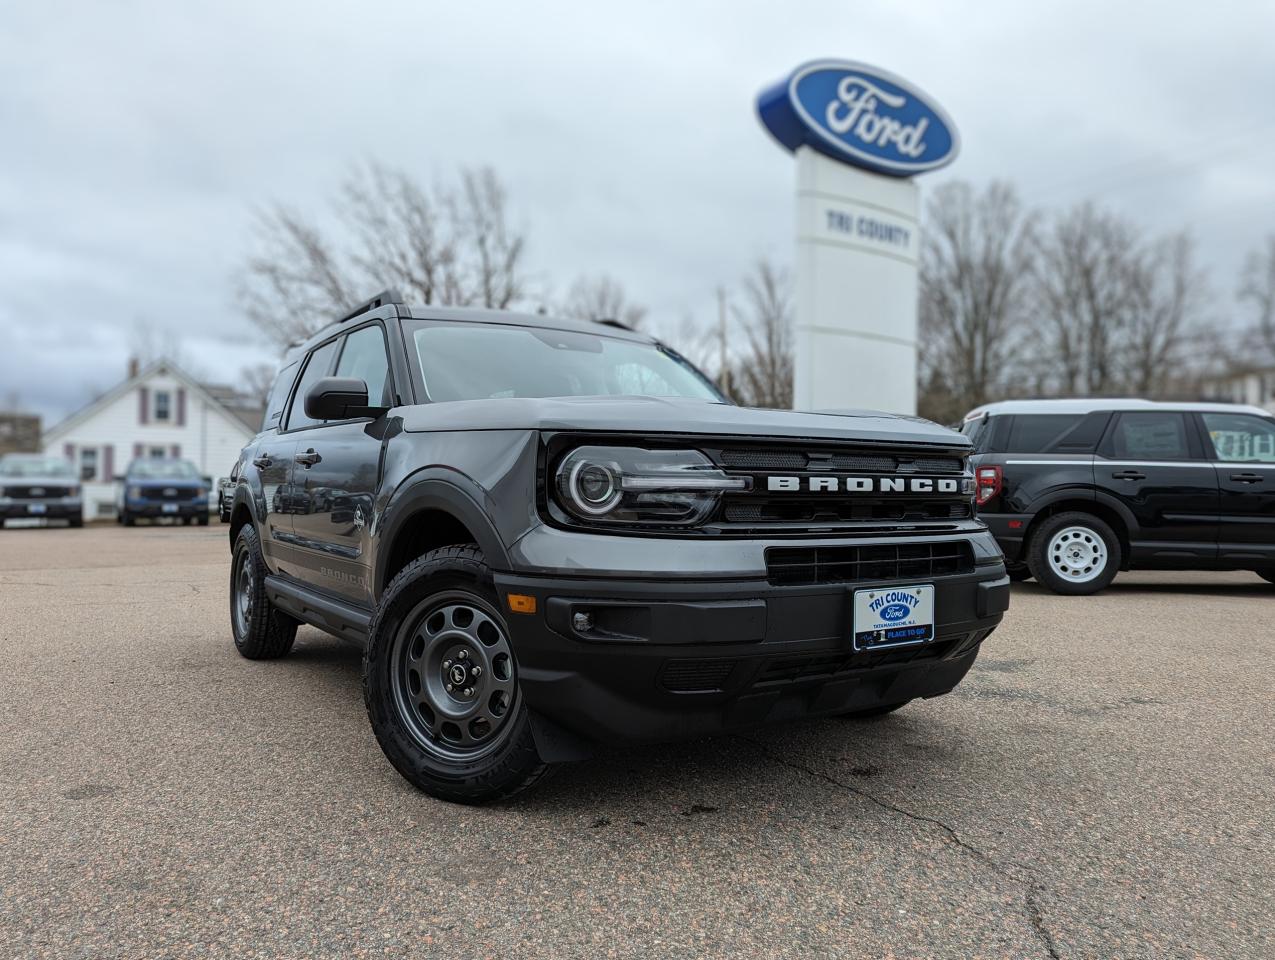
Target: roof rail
(612, 322)
(380, 300)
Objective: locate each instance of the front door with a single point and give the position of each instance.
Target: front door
(1152, 463)
(338, 465)
(1243, 449)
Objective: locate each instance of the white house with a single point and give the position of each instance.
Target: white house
(157, 412)
(1254, 385)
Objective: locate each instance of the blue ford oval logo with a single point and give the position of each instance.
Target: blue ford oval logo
(860, 115)
(894, 612)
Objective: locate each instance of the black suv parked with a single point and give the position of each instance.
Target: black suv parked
(1075, 490)
(548, 534)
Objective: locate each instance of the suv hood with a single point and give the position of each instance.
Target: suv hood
(39, 480)
(661, 415)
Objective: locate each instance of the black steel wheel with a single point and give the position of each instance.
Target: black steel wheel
(454, 682)
(440, 681)
(260, 631)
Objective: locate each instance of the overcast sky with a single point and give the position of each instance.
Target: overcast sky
(136, 138)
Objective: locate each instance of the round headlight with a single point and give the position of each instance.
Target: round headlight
(593, 487)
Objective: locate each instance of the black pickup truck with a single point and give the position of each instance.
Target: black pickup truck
(550, 534)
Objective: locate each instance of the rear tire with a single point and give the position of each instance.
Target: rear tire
(466, 740)
(76, 521)
(203, 519)
(1018, 572)
(261, 631)
(1074, 553)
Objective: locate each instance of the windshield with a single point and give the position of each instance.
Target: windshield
(34, 467)
(478, 361)
(163, 470)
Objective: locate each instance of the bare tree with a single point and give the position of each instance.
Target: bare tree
(1117, 310)
(976, 264)
(445, 245)
(1169, 291)
(602, 298)
(257, 381)
(1257, 287)
(1087, 282)
(762, 374)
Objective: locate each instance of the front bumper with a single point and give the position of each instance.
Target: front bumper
(675, 659)
(60, 508)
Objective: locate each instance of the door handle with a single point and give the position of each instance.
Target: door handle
(308, 459)
(1247, 477)
(262, 461)
(1128, 475)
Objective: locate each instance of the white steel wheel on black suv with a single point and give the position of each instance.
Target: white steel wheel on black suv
(1074, 553)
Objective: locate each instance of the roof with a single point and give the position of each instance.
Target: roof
(159, 366)
(249, 410)
(1093, 404)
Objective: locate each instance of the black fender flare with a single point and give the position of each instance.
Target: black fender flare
(437, 489)
(1095, 496)
(243, 497)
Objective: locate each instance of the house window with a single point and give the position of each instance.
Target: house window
(157, 453)
(163, 405)
(88, 463)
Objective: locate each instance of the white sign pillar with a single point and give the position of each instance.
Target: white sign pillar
(858, 242)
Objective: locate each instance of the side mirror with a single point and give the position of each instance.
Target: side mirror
(339, 398)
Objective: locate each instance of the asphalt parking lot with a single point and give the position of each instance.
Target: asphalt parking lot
(1102, 785)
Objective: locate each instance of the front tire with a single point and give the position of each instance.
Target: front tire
(441, 686)
(261, 631)
(1074, 553)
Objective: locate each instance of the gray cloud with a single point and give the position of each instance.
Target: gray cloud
(138, 137)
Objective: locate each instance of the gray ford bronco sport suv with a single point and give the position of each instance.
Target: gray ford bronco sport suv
(548, 535)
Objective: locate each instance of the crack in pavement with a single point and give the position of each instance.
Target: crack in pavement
(1014, 871)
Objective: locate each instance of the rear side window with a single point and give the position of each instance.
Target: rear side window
(279, 395)
(1150, 436)
(1038, 432)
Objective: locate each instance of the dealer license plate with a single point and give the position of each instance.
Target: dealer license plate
(170, 508)
(893, 617)
(36, 508)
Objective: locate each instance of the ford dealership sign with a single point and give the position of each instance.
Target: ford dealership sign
(860, 115)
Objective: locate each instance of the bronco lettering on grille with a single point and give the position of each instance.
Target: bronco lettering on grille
(942, 485)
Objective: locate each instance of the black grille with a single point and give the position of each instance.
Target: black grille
(27, 493)
(786, 566)
(169, 493)
(696, 676)
(824, 510)
(798, 669)
(762, 458)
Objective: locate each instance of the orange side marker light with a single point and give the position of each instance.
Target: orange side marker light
(521, 603)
